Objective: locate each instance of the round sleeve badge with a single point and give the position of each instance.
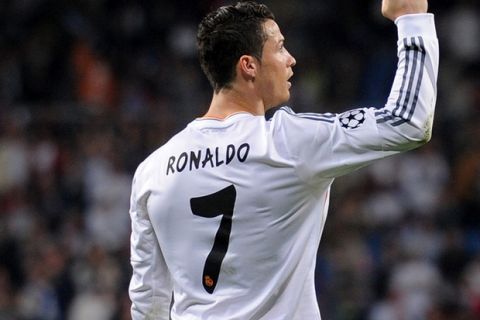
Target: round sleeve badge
(352, 119)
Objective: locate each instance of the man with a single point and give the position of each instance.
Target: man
(227, 216)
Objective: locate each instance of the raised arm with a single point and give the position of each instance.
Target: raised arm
(410, 106)
(341, 143)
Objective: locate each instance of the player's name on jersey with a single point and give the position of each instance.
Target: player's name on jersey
(209, 157)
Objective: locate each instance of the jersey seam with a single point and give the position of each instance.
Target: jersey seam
(302, 178)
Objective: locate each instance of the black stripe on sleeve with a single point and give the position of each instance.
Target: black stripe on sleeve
(404, 77)
(327, 117)
(407, 113)
(420, 76)
(411, 79)
(403, 111)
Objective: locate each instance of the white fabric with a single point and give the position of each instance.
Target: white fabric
(281, 171)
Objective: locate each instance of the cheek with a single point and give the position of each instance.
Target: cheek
(277, 79)
(267, 82)
(273, 83)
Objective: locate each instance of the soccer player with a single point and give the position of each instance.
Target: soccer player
(227, 216)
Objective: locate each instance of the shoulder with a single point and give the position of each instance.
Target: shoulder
(155, 161)
(288, 114)
(288, 123)
(278, 112)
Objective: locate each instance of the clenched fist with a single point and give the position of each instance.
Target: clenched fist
(392, 9)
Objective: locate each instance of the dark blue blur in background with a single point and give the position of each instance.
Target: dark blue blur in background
(88, 88)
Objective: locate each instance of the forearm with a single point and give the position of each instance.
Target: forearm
(150, 287)
(411, 104)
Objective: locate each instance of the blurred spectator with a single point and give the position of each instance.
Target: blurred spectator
(13, 154)
(95, 83)
(423, 177)
(89, 88)
(7, 310)
(472, 286)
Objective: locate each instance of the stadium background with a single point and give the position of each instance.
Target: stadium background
(89, 88)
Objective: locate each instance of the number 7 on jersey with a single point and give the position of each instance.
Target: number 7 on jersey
(209, 206)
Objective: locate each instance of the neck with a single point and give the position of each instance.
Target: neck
(229, 101)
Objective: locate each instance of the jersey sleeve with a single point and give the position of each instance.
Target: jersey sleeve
(330, 145)
(150, 287)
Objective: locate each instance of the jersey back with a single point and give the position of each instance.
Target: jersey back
(238, 229)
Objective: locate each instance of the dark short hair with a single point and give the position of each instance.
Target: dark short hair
(226, 34)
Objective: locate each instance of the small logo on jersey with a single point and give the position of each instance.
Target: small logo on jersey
(352, 119)
(208, 281)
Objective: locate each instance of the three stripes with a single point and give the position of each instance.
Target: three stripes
(414, 52)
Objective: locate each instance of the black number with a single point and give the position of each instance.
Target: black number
(209, 206)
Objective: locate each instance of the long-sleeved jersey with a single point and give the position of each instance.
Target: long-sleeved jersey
(227, 216)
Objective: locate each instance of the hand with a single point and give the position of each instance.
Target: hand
(392, 9)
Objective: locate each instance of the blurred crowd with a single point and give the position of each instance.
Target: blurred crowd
(88, 88)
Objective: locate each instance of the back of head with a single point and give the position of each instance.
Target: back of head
(226, 34)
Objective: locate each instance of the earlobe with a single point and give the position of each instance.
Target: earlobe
(247, 66)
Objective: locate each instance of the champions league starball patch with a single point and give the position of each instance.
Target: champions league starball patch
(352, 119)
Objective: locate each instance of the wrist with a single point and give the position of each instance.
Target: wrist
(415, 24)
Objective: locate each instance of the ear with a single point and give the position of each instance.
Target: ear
(247, 67)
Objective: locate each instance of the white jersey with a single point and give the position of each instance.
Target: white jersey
(227, 216)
